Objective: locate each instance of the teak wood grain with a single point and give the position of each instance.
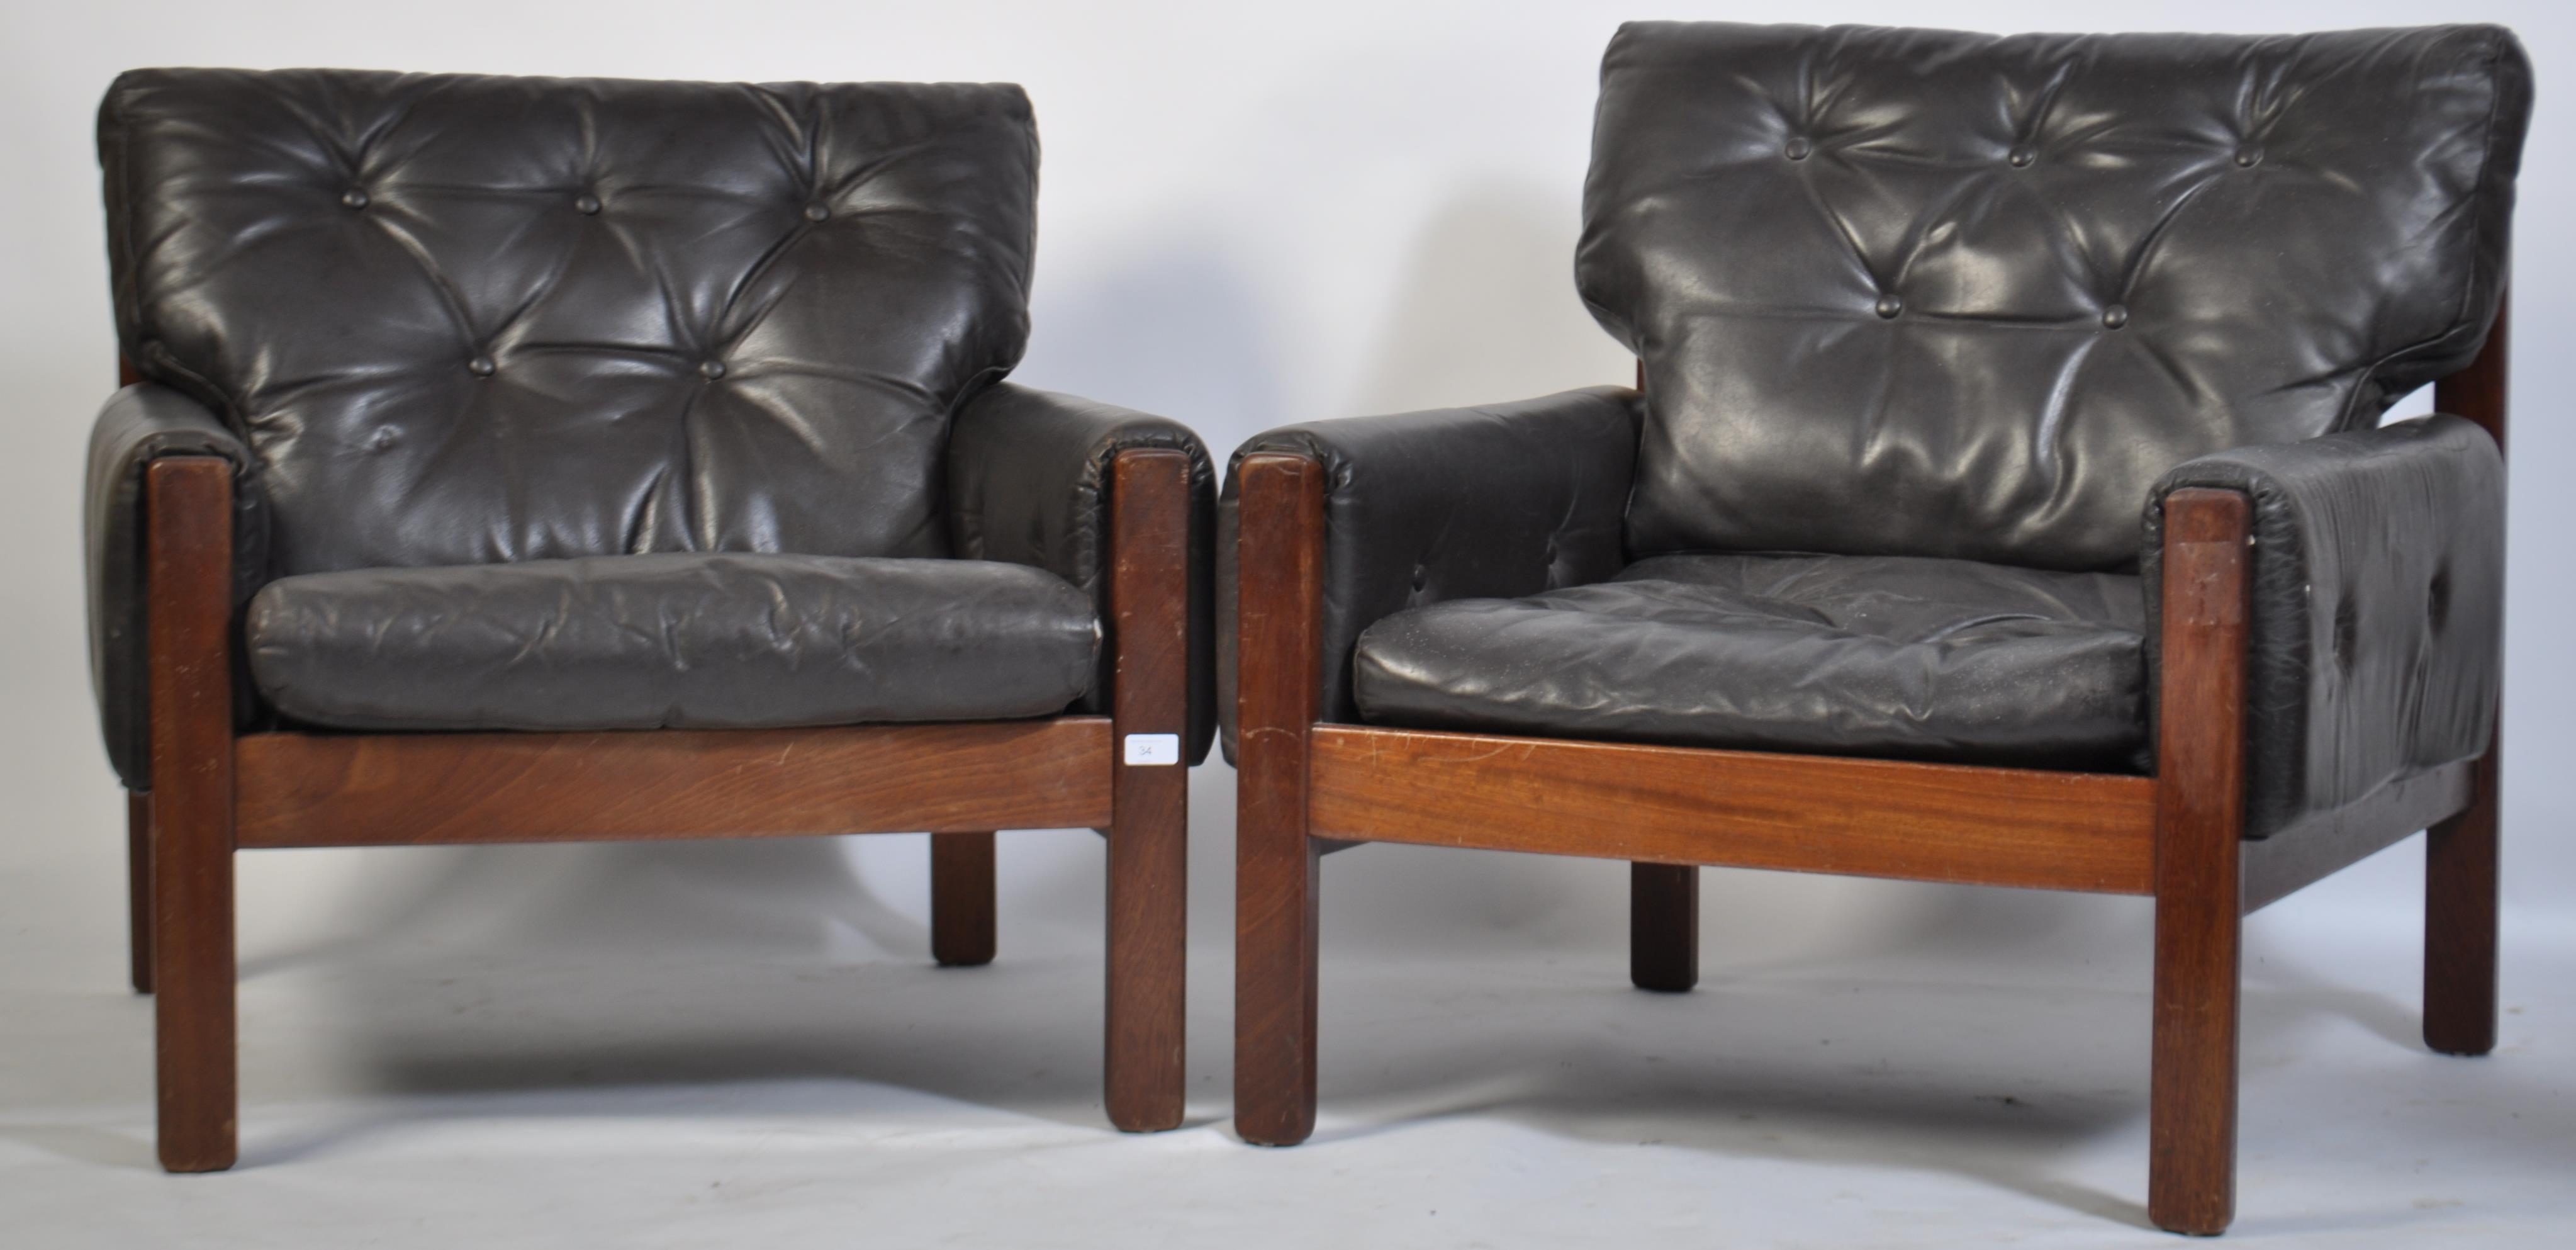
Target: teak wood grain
(1742, 809)
(300, 789)
(2460, 854)
(188, 568)
(2200, 820)
(1149, 532)
(1280, 555)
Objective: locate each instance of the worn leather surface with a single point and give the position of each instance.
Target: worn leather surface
(1502, 499)
(1929, 293)
(465, 319)
(1891, 657)
(454, 328)
(1028, 482)
(673, 640)
(2378, 607)
(138, 425)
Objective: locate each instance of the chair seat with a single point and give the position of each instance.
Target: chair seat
(707, 641)
(1895, 657)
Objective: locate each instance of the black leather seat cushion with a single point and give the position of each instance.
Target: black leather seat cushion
(709, 641)
(1900, 657)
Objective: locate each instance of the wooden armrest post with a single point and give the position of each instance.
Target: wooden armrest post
(1280, 573)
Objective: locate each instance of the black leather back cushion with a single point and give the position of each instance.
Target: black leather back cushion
(474, 319)
(1920, 292)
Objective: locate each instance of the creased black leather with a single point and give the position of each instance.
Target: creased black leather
(1028, 482)
(1500, 499)
(1886, 656)
(466, 319)
(677, 641)
(1931, 293)
(138, 425)
(2378, 607)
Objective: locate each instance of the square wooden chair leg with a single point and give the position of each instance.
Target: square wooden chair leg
(190, 571)
(2200, 821)
(961, 899)
(1280, 550)
(1149, 834)
(1663, 927)
(1148, 949)
(138, 886)
(2460, 922)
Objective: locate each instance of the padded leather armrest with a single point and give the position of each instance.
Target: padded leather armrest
(1457, 503)
(2378, 624)
(1028, 483)
(138, 425)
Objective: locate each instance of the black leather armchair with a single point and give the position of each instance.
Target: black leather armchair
(526, 459)
(1856, 580)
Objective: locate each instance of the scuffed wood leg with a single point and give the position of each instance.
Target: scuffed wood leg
(1280, 563)
(1663, 926)
(189, 567)
(961, 898)
(2200, 803)
(1149, 833)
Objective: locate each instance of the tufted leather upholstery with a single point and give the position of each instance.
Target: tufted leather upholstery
(138, 424)
(1921, 292)
(445, 320)
(1899, 657)
(2378, 624)
(1507, 499)
(1972, 298)
(471, 319)
(1028, 482)
(677, 640)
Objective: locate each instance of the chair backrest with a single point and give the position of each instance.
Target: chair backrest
(1932, 293)
(466, 319)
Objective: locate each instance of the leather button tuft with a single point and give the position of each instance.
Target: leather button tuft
(1421, 578)
(713, 369)
(2021, 157)
(383, 438)
(586, 204)
(2248, 155)
(1889, 305)
(480, 366)
(353, 198)
(1798, 149)
(2115, 316)
(816, 212)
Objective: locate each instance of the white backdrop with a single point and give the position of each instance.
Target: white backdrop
(1251, 214)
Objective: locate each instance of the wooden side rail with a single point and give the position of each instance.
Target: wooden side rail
(1742, 809)
(306, 789)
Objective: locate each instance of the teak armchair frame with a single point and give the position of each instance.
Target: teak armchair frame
(2175, 836)
(217, 791)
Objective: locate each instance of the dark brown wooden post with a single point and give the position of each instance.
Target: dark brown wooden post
(2200, 818)
(1280, 575)
(961, 898)
(138, 885)
(1149, 837)
(2460, 854)
(1663, 926)
(189, 563)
